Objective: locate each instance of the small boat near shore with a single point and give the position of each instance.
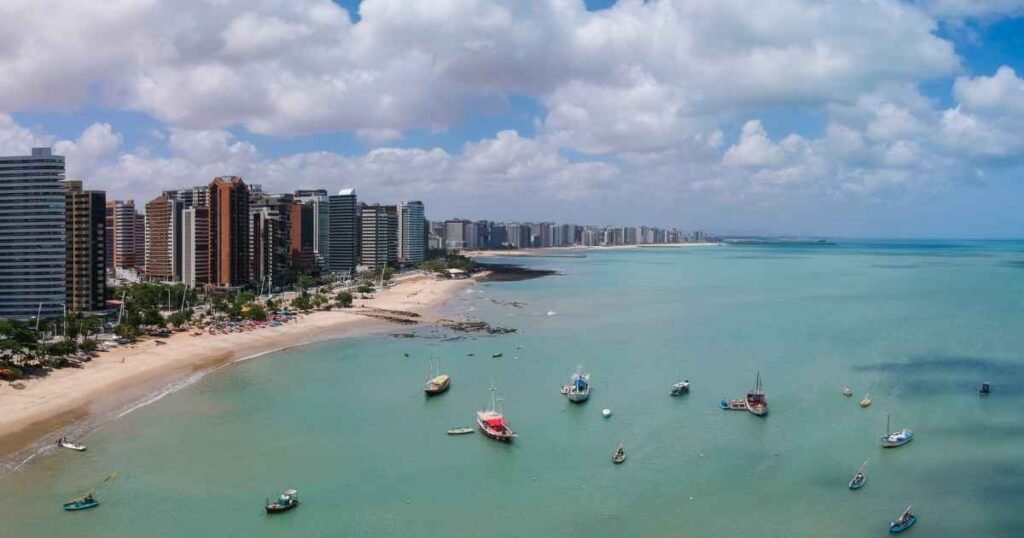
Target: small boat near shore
(460, 431)
(893, 439)
(866, 401)
(82, 503)
(620, 454)
(579, 386)
(756, 401)
(438, 383)
(847, 391)
(682, 387)
(905, 521)
(860, 477)
(288, 499)
(64, 443)
(492, 423)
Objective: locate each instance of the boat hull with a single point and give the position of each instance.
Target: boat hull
(757, 410)
(578, 397)
(857, 484)
(896, 528)
(891, 441)
(433, 390)
(278, 508)
(76, 506)
(76, 448)
(504, 435)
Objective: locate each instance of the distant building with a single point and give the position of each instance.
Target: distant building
(163, 239)
(269, 237)
(139, 240)
(229, 232)
(320, 204)
(191, 197)
(343, 231)
(456, 234)
(85, 239)
(121, 218)
(380, 236)
(411, 223)
(302, 237)
(32, 223)
(195, 246)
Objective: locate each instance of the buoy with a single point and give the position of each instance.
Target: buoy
(606, 413)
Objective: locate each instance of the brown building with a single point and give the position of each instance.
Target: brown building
(163, 239)
(229, 232)
(85, 236)
(303, 237)
(121, 217)
(140, 240)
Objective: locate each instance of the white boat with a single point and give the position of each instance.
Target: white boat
(460, 431)
(847, 391)
(606, 413)
(893, 439)
(64, 443)
(681, 387)
(493, 423)
(866, 401)
(579, 386)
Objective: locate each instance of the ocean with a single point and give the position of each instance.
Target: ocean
(917, 324)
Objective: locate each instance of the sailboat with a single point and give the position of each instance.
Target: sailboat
(893, 439)
(438, 383)
(905, 521)
(579, 386)
(847, 391)
(493, 423)
(620, 454)
(756, 402)
(866, 401)
(88, 500)
(860, 477)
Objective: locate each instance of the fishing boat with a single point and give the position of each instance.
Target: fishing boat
(681, 387)
(460, 431)
(866, 401)
(579, 386)
(905, 521)
(437, 383)
(620, 454)
(893, 439)
(757, 404)
(860, 477)
(493, 423)
(64, 443)
(847, 391)
(733, 405)
(985, 389)
(82, 503)
(288, 499)
(496, 354)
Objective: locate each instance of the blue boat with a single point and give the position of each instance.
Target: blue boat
(84, 503)
(859, 478)
(906, 520)
(579, 386)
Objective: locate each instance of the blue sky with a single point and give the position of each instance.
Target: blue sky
(891, 118)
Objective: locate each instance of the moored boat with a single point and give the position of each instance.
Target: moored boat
(985, 388)
(64, 443)
(438, 383)
(905, 521)
(460, 431)
(866, 401)
(288, 499)
(756, 401)
(893, 439)
(579, 386)
(620, 454)
(680, 388)
(860, 477)
(82, 503)
(733, 405)
(492, 423)
(496, 354)
(847, 391)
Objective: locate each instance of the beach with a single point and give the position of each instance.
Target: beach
(126, 374)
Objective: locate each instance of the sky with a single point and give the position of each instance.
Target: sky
(855, 118)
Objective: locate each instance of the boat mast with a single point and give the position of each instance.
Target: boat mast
(887, 426)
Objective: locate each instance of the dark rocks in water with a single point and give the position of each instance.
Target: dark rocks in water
(514, 304)
(475, 326)
(403, 335)
(502, 272)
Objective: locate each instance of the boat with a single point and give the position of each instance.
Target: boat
(493, 423)
(579, 386)
(860, 477)
(620, 454)
(866, 401)
(893, 439)
(460, 431)
(438, 383)
(847, 391)
(733, 405)
(905, 521)
(288, 499)
(496, 354)
(757, 404)
(82, 503)
(606, 413)
(64, 443)
(681, 387)
(985, 388)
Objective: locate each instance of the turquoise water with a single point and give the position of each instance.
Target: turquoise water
(917, 325)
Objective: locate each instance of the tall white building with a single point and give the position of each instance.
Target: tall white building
(32, 209)
(411, 233)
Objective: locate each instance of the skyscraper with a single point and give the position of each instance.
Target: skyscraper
(85, 239)
(302, 237)
(380, 236)
(229, 232)
(32, 224)
(319, 202)
(121, 220)
(195, 246)
(344, 232)
(163, 239)
(269, 233)
(411, 223)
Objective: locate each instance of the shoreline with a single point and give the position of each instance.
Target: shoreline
(555, 252)
(126, 378)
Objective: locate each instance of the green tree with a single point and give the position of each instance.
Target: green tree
(365, 288)
(255, 311)
(302, 302)
(128, 332)
(178, 319)
(345, 299)
(271, 305)
(305, 282)
(153, 318)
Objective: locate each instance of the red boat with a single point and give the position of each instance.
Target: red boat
(493, 423)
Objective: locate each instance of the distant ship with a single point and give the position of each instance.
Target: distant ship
(579, 386)
(493, 423)
(757, 404)
(438, 383)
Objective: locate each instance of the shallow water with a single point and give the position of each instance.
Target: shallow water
(916, 324)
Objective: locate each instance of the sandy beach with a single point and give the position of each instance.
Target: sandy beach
(127, 374)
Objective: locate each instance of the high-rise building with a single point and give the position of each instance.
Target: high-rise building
(344, 216)
(411, 222)
(319, 201)
(121, 222)
(229, 232)
(32, 221)
(269, 232)
(302, 237)
(456, 234)
(85, 240)
(195, 246)
(380, 236)
(139, 240)
(191, 197)
(163, 239)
